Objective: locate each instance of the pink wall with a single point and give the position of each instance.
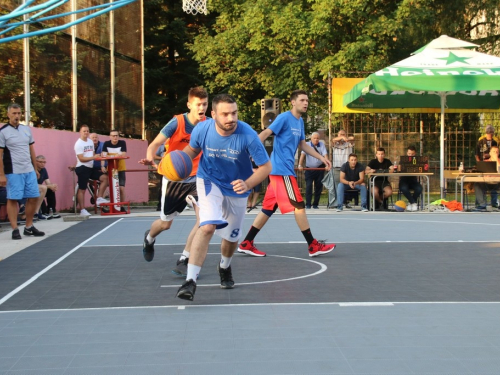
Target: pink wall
(57, 147)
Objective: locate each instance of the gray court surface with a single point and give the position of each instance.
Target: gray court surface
(403, 293)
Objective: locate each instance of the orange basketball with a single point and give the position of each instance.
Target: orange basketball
(176, 166)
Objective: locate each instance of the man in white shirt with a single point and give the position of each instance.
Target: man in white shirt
(342, 147)
(85, 156)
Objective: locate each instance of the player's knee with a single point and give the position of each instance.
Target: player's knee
(207, 229)
(268, 213)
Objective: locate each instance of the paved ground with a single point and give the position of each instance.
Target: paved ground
(403, 293)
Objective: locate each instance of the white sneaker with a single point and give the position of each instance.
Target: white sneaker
(84, 212)
(101, 200)
(414, 207)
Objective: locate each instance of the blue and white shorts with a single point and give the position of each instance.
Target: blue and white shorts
(227, 213)
(22, 185)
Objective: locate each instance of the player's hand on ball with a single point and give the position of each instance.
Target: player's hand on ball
(147, 162)
(239, 186)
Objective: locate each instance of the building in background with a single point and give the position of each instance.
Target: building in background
(91, 73)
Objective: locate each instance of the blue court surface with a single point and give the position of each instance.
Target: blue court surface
(403, 293)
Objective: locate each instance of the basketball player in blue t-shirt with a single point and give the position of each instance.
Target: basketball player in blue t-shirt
(224, 180)
(283, 191)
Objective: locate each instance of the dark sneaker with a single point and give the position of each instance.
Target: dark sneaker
(187, 290)
(16, 235)
(148, 249)
(43, 217)
(33, 232)
(55, 215)
(181, 267)
(316, 207)
(247, 247)
(319, 248)
(226, 277)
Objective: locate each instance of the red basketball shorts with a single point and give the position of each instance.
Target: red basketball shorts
(283, 192)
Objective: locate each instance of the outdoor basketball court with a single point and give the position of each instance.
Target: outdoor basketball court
(402, 294)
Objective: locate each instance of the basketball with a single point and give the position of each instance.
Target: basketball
(400, 206)
(176, 165)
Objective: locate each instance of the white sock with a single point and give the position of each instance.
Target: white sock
(150, 239)
(185, 254)
(225, 262)
(193, 272)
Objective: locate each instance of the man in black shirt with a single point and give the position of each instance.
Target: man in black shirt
(407, 183)
(383, 189)
(352, 176)
(486, 142)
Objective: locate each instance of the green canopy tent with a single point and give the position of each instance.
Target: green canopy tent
(447, 73)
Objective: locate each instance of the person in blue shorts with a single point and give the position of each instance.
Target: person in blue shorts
(224, 180)
(17, 171)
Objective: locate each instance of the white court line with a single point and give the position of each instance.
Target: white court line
(182, 307)
(322, 269)
(25, 284)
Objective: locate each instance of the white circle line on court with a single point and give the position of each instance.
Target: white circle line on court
(49, 267)
(321, 270)
(352, 304)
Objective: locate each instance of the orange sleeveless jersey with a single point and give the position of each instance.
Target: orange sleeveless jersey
(179, 140)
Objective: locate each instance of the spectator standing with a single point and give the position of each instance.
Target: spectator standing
(118, 147)
(17, 172)
(342, 147)
(407, 183)
(314, 177)
(352, 176)
(85, 157)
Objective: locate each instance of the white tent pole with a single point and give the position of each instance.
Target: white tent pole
(442, 95)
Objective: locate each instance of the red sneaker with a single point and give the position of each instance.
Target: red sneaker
(319, 248)
(247, 247)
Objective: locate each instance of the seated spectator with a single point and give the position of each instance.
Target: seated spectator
(383, 189)
(485, 143)
(100, 168)
(47, 210)
(407, 183)
(352, 176)
(481, 188)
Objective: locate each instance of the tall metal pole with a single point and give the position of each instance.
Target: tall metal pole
(26, 73)
(330, 149)
(74, 69)
(143, 93)
(112, 63)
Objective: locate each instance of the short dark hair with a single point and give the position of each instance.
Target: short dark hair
(197, 92)
(412, 148)
(84, 126)
(222, 98)
(296, 93)
(114, 131)
(381, 149)
(353, 154)
(13, 105)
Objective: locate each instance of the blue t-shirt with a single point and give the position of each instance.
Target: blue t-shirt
(98, 150)
(288, 131)
(226, 159)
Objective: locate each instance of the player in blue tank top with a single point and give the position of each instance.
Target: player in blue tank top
(224, 179)
(283, 191)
